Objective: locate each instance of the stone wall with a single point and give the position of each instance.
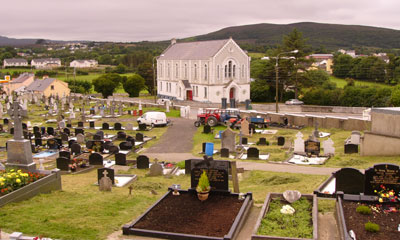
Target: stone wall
(379, 145)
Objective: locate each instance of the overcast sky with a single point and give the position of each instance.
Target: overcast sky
(137, 20)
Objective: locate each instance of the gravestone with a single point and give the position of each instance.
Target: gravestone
(139, 137)
(291, 195)
(80, 124)
(64, 137)
(120, 159)
(100, 133)
(105, 183)
(79, 131)
(50, 131)
(67, 131)
(107, 144)
(36, 129)
(252, 128)
(76, 148)
(121, 135)
(129, 127)
(244, 127)
(113, 149)
(262, 141)
(312, 147)
(65, 154)
(245, 140)
(110, 174)
(299, 146)
(253, 152)
(355, 137)
(228, 140)
(349, 181)
(329, 149)
(382, 174)
(217, 172)
(91, 124)
(142, 162)
(70, 142)
(117, 126)
(95, 159)
(61, 124)
(207, 129)
(281, 141)
(125, 146)
(80, 138)
(224, 152)
(97, 137)
(63, 163)
(52, 144)
(203, 147)
(131, 139)
(156, 169)
(105, 126)
(142, 126)
(350, 148)
(37, 135)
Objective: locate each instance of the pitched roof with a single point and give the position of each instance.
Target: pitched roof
(40, 85)
(43, 60)
(23, 77)
(186, 83)
(193, 50)
(15, 60)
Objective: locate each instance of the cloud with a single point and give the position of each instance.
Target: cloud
(127, 20)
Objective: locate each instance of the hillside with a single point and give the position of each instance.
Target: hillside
(332, 36)
(5, 41)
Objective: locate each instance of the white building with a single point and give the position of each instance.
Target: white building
(15, 62)
(46, 62)
(84, 63)
(204, 71)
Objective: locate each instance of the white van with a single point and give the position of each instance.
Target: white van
(153, 119)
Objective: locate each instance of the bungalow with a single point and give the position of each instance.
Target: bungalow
(49, 87)
(15, 62)
(46, 62)
(19, 83)
(84, 63)
(322, 61)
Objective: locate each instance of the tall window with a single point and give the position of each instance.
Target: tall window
(226, 71)
(168, 71)
(242, 70)
(180, 91)
(176, 71)
(161, 70)
(186, 76)
(160, 86)
(195, 71)
(234, 70)
(217, 71)
(230, 69)
(205, 92)
(205, 72)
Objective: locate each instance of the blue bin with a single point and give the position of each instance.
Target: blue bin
(209, 149)
(220, 134)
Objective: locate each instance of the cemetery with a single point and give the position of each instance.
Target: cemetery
(88, 161)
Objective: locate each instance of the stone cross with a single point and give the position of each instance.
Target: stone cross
(315, 132)
(16, 114)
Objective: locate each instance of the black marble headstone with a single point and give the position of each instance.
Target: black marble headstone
(349, 181)
(281, 141)
(139, 137)
(253, 152)
(224, 152)
(244, 140)
(97, 137)
(350, 148)
(206, 128)
(113, 149)
(106, 126)
(262, 141)
(142, 126)
(203, 147)
(217, 172)
(79, 130)
(120, 159)
(64, 137)
(121, 135)
(91, 124)
(142, 162)
(65, 154)
(36, 129)
(76, 148)
(38, 142)
(110, 174)
(67, 131)
(62, 163)
(95, 159)
(382, 174)
(52, 144)
(252, 128)
(312, 147)
(117, 126)
(101, 134)
(125, 146)
(50, 131)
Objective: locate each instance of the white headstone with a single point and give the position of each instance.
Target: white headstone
(129, 126)
(299, 143)
(72, 114)
(167, 106)
(183, 112)
(80, 138)
(355, 137)
(329, 149)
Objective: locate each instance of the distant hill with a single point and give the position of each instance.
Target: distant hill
(332, 36)
(5, 41)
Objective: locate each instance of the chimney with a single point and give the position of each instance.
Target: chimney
(173, 41)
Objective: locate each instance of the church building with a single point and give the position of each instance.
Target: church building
(204, 71)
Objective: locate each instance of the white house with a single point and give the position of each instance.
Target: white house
(15, 62)
(204, 71)
(84, 63)
(46, 62)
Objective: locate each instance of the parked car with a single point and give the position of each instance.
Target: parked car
(153, 119)
(294, 102)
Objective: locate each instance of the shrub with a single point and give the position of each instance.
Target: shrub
(204, 184)
(365, 210)
(372, 227)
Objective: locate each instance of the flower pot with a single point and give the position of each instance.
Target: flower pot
(203, 195)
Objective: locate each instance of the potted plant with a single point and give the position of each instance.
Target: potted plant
(203, 187)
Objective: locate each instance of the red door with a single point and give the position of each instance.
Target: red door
(232, 93)
(189, 95)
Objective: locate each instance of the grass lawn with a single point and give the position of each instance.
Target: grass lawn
(277, 154)
(341, 83)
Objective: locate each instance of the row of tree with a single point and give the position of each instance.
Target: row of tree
(107, 83)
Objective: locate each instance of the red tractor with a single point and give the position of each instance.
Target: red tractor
(209, 116)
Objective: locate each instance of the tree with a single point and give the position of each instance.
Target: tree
(107, 83)
(395, 98)
(133, 85)
(342, 65)
(146, 71)
(121, 68)
(40, 41)
(315, 78)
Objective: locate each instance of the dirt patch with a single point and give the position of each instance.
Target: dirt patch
(186, 214)
(388, 222)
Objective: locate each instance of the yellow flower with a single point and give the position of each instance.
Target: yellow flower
(391, 194)
(18, 180)
(380, 200)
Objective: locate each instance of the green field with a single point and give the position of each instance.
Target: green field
(341, 83)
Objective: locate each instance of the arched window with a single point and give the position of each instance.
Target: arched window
(186, 71)
(230, 69)
(161, 70)
(205, 72)
(234, 70)
(242, 70)
(226, 71)
(176, 71)
(195, 71)
(168, 71)
(217, 71)
(205, 92)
